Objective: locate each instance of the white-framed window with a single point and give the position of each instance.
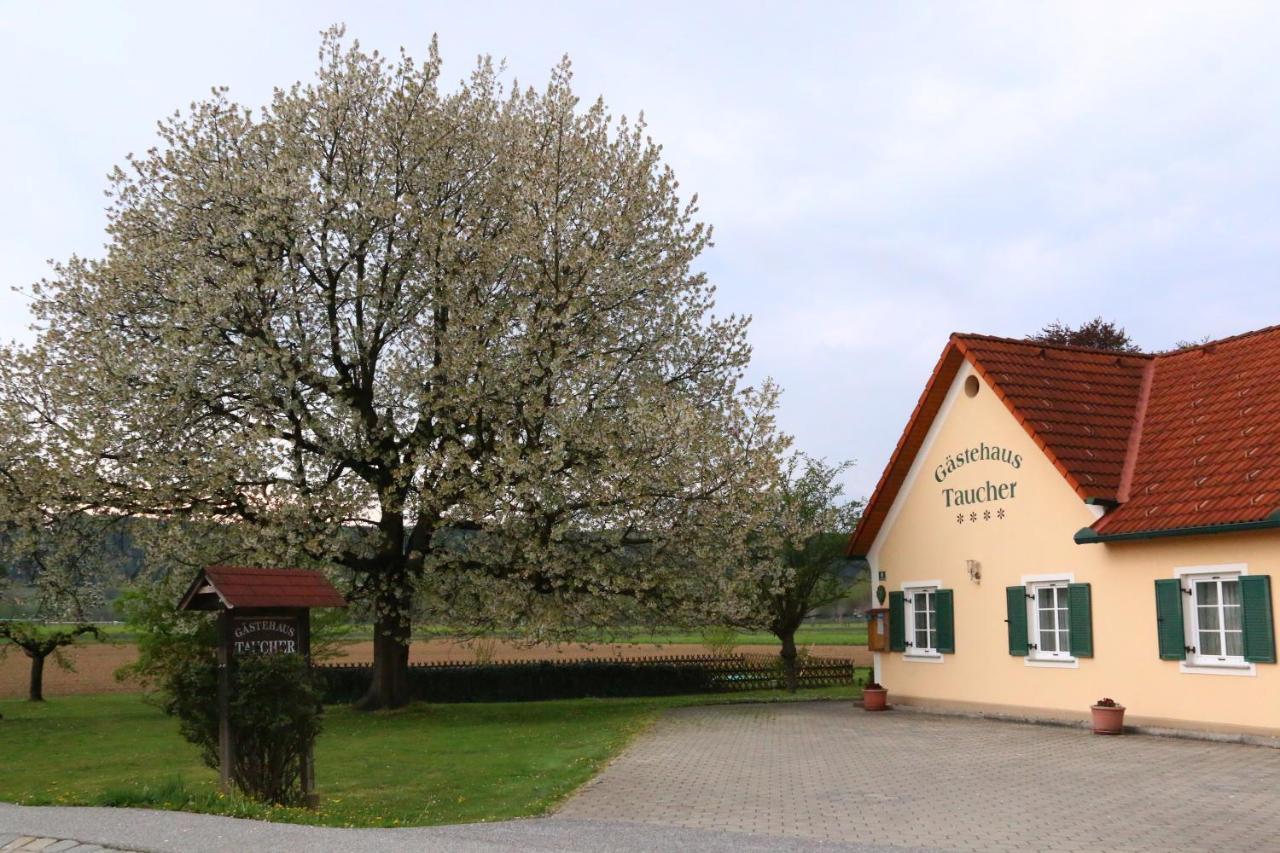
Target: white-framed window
(1218, 632)
(1213, 618)
(924, 621)
(1041, 613)
(1050, 637)
(921, 612)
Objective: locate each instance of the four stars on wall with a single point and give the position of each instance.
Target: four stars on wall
(987, 515)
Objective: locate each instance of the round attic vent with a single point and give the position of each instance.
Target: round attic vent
(971, 386)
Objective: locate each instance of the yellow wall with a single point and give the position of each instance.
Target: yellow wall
(922, 541)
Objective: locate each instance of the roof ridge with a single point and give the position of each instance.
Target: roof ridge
(1230, 339)
(1044, 345)
(1114, 352)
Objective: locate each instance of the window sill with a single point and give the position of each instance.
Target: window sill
(922, 657)
(1052, 663)
(1203, 668)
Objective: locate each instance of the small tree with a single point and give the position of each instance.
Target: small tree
(1097, 333)
(39, 644)
(806, 568)
(55, 545)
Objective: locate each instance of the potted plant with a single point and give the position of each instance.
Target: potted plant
(1108, 717)
(874, 697)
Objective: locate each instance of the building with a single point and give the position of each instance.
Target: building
(1060, 524)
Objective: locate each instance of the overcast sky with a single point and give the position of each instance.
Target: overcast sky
(878, 175)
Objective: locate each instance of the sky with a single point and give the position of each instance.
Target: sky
(878, 174)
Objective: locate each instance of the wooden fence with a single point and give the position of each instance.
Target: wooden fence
(720, 673)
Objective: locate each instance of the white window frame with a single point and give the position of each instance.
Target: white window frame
(909, 590)
(1032, 584)
(1197, 663)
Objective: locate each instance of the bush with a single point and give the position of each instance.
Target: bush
(275, 717)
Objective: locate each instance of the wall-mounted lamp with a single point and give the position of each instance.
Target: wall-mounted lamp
(975, 571)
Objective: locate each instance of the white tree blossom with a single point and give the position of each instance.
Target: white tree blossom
(450, 340)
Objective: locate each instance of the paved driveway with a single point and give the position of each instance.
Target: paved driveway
(52, 828)
(809, 777)
(827, 771)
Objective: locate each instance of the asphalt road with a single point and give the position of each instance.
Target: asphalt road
(179, 832)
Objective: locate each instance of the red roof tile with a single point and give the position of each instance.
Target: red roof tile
(246, 586)
(1176, 440)
(1208, 451)
(1077, 404)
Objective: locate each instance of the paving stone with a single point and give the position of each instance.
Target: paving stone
(828, 771)
(29, 843)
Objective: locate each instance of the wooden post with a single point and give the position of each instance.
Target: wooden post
(226, 748)
(309, 795)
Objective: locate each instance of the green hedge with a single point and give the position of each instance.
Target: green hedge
(515, 682)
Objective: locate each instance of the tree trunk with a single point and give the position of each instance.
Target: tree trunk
(392, 631)
(36, 691)
(788, 655)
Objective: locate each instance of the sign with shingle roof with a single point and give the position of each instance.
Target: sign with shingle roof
(260, 611)
(240, 587)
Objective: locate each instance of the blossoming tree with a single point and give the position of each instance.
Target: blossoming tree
(378, 315)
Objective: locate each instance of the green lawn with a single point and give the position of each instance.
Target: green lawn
(427, 764)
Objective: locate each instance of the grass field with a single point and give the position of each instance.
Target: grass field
(848, 633)
(423, 765)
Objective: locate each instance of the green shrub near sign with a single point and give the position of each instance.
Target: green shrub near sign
(275, 714)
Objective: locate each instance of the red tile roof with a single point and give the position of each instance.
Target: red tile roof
(1208, 449)
(1189, 439)
(246, 586)
(1077, 404)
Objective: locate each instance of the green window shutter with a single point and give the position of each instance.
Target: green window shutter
(944, 610)
(1016, 603)
(1080, 619)
(897, 622)
(1173, 639)
(1259, 632)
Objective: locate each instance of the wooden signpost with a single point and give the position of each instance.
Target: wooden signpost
(263, 612)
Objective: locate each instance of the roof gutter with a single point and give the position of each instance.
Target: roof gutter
(1089, 536)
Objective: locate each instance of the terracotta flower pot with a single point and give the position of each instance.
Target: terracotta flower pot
(875, 699)
(1108, 719)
